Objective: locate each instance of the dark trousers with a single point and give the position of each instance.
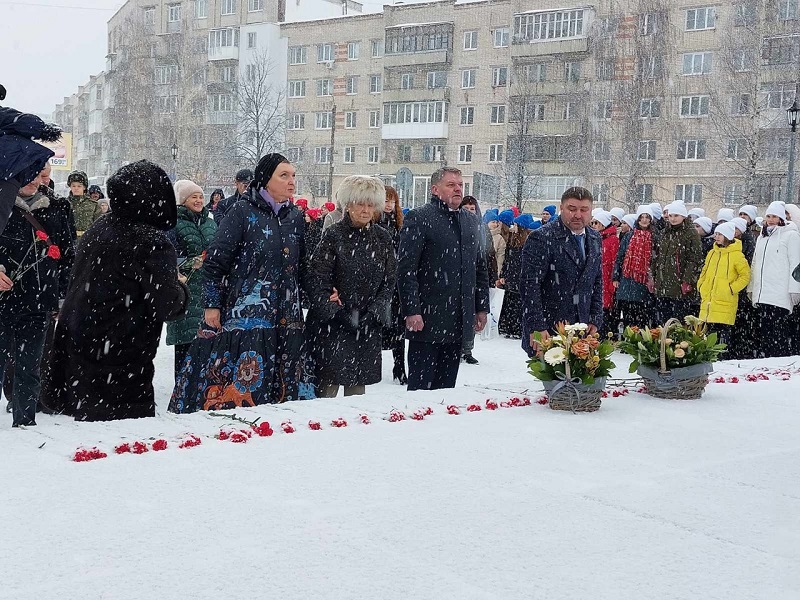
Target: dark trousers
(22, 340)
(773, 331)
(724, 336)
(633, 313)
(432, 366)
(181, 350)
(668, 308)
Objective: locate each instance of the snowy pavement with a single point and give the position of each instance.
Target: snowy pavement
(645, 499)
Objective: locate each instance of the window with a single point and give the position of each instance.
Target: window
(744, 14)
(467, 115)
(432, 153)
(535, 111)
(353, 49)
(569, 111)
(297, 121)
(167, 104)
(788, 10)
(572, 71)
(647, 23)
(779, 95)
(324, 52)
(376, 47)
(737, 149)
(419, 38)
(166, 74)
(414, 112)
(468, 78)
(220, 103)
(349, 154)
(226, 74)
(173, 18)
(694, 106)
(297, 89)
(228, 7)
(741, 104)
(647, 150)
(198, 108)
(465, 153)
(298, 55)
(200, 9)
(743, 60)
(562, 24)
(497, 114)
(406, 81)
(691, 150)
(470, 40)
(605, 69)
(782, 50)
(374, 119)
(350, 119)
(536, 73)
(251, 39)
(255, 5)
(223, 38)
(697, 63)
(98, 93)
(323, 120)
(602, 110)
(251, 72)
(651, 68)
(372, 154)
(689, 193)
(324, 87)
(323, 187)
(437, 79)
(322, 155)
(700, 18)
(644, 193)
(404, 153)
(733, 194)
(375, 84)
(495, 153)
(149, 16)
(500, 37)
(649, 108)
(351, 85)
(499, 76)
(294, 155)
(775, 147)
(602, 151)
(601, 193)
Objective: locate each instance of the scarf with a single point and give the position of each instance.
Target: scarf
(637, 259)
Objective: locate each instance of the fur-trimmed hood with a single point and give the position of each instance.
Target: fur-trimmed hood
(40, 201)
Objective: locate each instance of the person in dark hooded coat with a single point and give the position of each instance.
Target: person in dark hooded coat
(124, 287)
(250, 345)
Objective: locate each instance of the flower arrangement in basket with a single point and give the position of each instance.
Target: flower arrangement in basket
(573, 366)
(674, 360)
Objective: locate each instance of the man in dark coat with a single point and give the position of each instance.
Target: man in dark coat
(443, 282)
(125, 285)
(562, 278)
(242, 182)
(36, 254)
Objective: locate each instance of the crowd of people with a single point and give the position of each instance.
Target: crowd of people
(86, 285)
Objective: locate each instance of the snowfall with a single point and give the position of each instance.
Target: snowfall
(645, 499)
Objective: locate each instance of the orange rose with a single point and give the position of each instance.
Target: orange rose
(581, 349)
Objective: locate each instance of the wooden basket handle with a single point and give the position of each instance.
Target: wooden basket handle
(663, 343)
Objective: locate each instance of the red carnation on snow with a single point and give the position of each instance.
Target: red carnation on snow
(190, 442)
(340, 422)
(719, 380)
(733, 380)
(53, 252)
(41, 235)
(428, 411)
(122, 448)
(473, 408)
(541, 400)
(287, 427)
(396, 416)
(87, 454)
(491, 405)
(239, 437)
(159, 445)
(263, 429)
(314, 425)
(452, 409)
(364, 419)
(418, 416)
(139, 448)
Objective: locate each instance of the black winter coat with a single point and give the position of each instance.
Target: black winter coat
(346, 340)
(556, 285)
(224, 205)
(442, 272)
(44, 280)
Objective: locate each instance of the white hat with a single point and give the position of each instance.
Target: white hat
(739, 223)
(725, 214)
(644, 209)
(677, 208)
(705, 223)
(759, 221)
(777, 209)
(597, 210)
(750, 211)
(655, 210)
(630, 220)
(185, 188)
(793, 212)
(726, 229)
(617, 212)
(696, 212)
(603, 217)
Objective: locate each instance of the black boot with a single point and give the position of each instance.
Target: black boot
(469, 359)
(399, 370)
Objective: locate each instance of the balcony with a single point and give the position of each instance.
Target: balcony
(524, 49)
(432, 57)
(550, 128)
(221, 118)
(412, 131)
(223, 53)
(416, 94)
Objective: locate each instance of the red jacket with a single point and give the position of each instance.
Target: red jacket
(610, 249)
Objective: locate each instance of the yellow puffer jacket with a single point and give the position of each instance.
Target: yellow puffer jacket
(725, 274)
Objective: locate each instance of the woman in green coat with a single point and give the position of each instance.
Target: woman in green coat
(191, 237)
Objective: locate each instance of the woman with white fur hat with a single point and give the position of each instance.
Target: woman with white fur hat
(191, 237)
(772, 289)
(725, 274)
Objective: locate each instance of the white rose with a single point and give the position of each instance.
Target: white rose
(555, 356)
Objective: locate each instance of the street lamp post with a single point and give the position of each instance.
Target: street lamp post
(791, 116)
(174, 161)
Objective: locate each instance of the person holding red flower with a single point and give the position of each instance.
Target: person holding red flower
(36, 255)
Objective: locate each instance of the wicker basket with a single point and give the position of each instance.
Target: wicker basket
(681, 383)
(575, 397)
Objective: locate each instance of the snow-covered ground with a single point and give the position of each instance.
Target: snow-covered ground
(645, 499)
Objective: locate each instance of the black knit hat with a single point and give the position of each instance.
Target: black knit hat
(142, 192)
(78, 177)
(266, 167)
(244, 176)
